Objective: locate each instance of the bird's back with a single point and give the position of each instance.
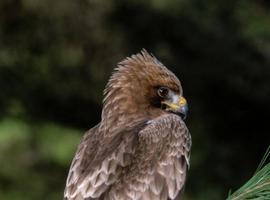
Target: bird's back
(149, 164)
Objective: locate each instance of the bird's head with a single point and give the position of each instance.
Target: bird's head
(142, 85)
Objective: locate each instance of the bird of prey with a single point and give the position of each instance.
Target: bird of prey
(140, 150)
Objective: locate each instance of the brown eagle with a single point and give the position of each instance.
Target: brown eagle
(140, 150)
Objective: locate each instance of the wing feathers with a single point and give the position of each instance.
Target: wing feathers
(158, 168)
(89, 175)
(157, 184)
(172, 166)
(150, 166)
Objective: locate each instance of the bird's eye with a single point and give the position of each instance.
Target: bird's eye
(163, 92)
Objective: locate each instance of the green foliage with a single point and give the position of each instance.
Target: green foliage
(258, 187)
(56, 143)
(28, 152)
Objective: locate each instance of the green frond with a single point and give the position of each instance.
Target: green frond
(258, 187)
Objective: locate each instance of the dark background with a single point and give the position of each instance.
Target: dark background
(56, 57)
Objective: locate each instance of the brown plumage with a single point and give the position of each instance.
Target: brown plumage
(140, 149)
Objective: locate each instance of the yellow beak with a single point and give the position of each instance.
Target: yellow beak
(180, 106)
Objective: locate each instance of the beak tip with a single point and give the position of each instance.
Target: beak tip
(183, 111)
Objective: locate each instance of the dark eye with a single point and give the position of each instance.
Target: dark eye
(163, 92)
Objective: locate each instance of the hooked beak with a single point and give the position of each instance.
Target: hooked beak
(177, 105)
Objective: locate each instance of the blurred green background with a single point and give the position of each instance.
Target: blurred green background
(55, 59)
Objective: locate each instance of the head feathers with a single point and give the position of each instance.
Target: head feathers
(132, 85)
